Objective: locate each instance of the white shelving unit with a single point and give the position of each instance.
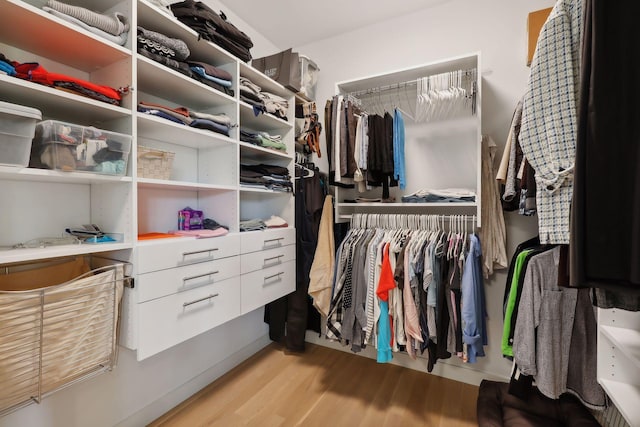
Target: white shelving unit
(442, 154)
(205, 173)
(619, 360)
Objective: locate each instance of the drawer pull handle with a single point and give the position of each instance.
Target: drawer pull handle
(185, 279)
(274, 276)
(185, 254)
(272, 242)
(273, 258)
(186, 304)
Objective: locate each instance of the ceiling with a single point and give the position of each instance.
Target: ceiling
(289, 23)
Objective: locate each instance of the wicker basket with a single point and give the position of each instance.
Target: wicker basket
(154, 163)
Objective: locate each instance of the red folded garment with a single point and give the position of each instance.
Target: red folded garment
(37, 73)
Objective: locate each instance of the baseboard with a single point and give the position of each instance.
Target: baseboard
(444, 368)
(192, 386)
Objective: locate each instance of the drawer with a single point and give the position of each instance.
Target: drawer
(167, 321)
(180, 279)
(264, 259)
(253, 241)
(264, 286)
(159, 256)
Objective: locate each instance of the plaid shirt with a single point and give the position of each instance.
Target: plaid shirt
(549, 120)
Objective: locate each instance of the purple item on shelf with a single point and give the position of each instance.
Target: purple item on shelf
(190, 219)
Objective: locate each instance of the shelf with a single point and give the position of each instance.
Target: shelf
(626, 340)
(163, 82)
(263, 122)
(254, 152)
(409, 205)
(47, 175)
(265, 83)
(21, 255)
(625, 397)
(150, 18)
(179, 185)
(58, 104)
(160, 129)
(265, 191)
(32, 29)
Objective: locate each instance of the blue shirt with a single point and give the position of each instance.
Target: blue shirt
(398, 149)
(474, 312)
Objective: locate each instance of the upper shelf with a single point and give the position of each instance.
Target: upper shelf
(627, 340)
(163, 82)
(254, 152)
(152, 18)
(46, 175)
(404, 75)
(33, 30)
(30, 254)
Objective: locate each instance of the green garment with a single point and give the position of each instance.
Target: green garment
(268, 143)
(507, 348)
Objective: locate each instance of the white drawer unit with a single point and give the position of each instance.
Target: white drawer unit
(181, 279)
(254, 241)
(158, 256)
(263, 286)
(170, 320)
(269, 258)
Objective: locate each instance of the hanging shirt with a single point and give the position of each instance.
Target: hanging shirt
(398, 149)
(549, 120)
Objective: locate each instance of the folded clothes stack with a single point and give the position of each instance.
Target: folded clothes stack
(220, 123)
(213, 27)
(168, 51)
(263, 139)
(215, 77)
(262, 102)
(252, 225)
(113, 27)
(446, 195)
(269, 177)
(34, 72)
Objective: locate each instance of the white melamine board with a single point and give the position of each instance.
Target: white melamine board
(627, 341)
(265, 122)
(159, 129)
(626, 398)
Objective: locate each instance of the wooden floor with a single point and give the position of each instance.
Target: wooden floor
(325, 387)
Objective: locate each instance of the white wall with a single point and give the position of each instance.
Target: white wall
(496, 28)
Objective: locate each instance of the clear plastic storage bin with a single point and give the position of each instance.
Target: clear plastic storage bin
(309, 77)
(75, 148)
(17, 127)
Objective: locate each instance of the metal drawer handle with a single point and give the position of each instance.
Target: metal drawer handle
(274, 276)
(266, 260)
(186, 304)
(185, 254)
(185, 279)
(273, 241)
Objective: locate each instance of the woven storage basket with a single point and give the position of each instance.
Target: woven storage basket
(154, 163)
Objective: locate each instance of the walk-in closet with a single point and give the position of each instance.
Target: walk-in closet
(243, 213)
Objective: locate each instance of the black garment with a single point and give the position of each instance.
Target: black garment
(605, 246)
(181, 67)
(288, 317)
(380, 155)
(213, 27)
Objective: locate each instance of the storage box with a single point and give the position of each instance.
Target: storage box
(190, 219)
(154, 163)
(17, 127)
(75, 148)
(309, 77)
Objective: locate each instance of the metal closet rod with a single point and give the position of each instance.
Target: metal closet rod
(408, 83)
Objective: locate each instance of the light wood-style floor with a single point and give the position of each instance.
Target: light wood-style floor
(325, 387)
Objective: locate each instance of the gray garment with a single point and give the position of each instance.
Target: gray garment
(606, 298)
(582, 376)
(355, 321)
(116, 24)
(120, 39)
(544, 326)
(512, 170)
(222, 118)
